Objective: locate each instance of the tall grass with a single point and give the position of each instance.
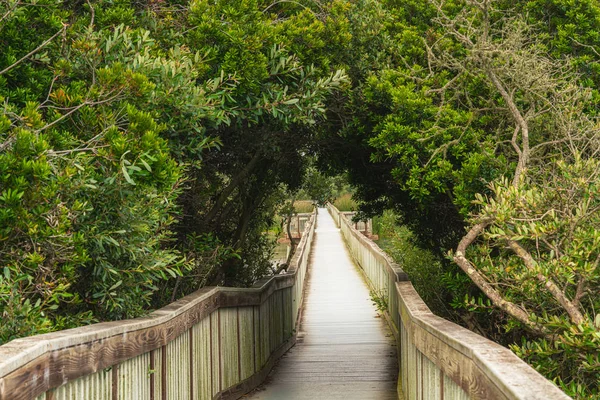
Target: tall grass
(304, 206)
(345, 203)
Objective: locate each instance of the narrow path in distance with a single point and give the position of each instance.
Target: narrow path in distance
(344, 349)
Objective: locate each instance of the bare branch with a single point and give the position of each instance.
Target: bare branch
(586, 46)
(72, 110)
(495, 296)
(580, 291)
(32, 52)
(93, 15)
(53, 153)
(548, 283)
(522, 123)
(9, 11)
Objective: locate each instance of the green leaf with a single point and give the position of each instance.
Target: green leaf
(146, 165)
(116, 285)
(170, 271)
(126, 175)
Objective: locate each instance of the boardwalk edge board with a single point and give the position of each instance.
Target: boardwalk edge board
(46, 364)
(467, 365)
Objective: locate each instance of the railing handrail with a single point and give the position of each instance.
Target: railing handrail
(102, 345)
(495, 371)
(514, 378)
(389, 263)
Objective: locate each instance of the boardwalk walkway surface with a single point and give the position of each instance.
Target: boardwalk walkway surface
(344, 350)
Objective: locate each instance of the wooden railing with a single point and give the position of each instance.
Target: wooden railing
(298, 223)
(215, 343)
(439, 359)
(364, 227)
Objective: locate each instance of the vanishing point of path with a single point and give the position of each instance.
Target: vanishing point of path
(344, 349)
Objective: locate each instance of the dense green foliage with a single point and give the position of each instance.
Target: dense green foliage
(143, 147)
(146, 146)
(322, 188)
(422, 267)
(469, 115)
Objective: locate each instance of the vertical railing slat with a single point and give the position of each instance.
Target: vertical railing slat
(229, 347)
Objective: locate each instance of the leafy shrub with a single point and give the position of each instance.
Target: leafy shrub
(110, 202)
(423, 268)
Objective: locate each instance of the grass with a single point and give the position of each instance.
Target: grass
(304, 206)
(345, 203)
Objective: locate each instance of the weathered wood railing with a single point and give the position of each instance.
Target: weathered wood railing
(365, 227)
(298, 223)
(215, 343)
(439, 359)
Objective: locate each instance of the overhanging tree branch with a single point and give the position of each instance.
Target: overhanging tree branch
(461, 260)
(548, 283)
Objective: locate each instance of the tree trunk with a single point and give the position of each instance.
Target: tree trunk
(289, 233)
(235, 182)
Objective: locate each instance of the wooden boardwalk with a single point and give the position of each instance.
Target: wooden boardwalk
(344, 349)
